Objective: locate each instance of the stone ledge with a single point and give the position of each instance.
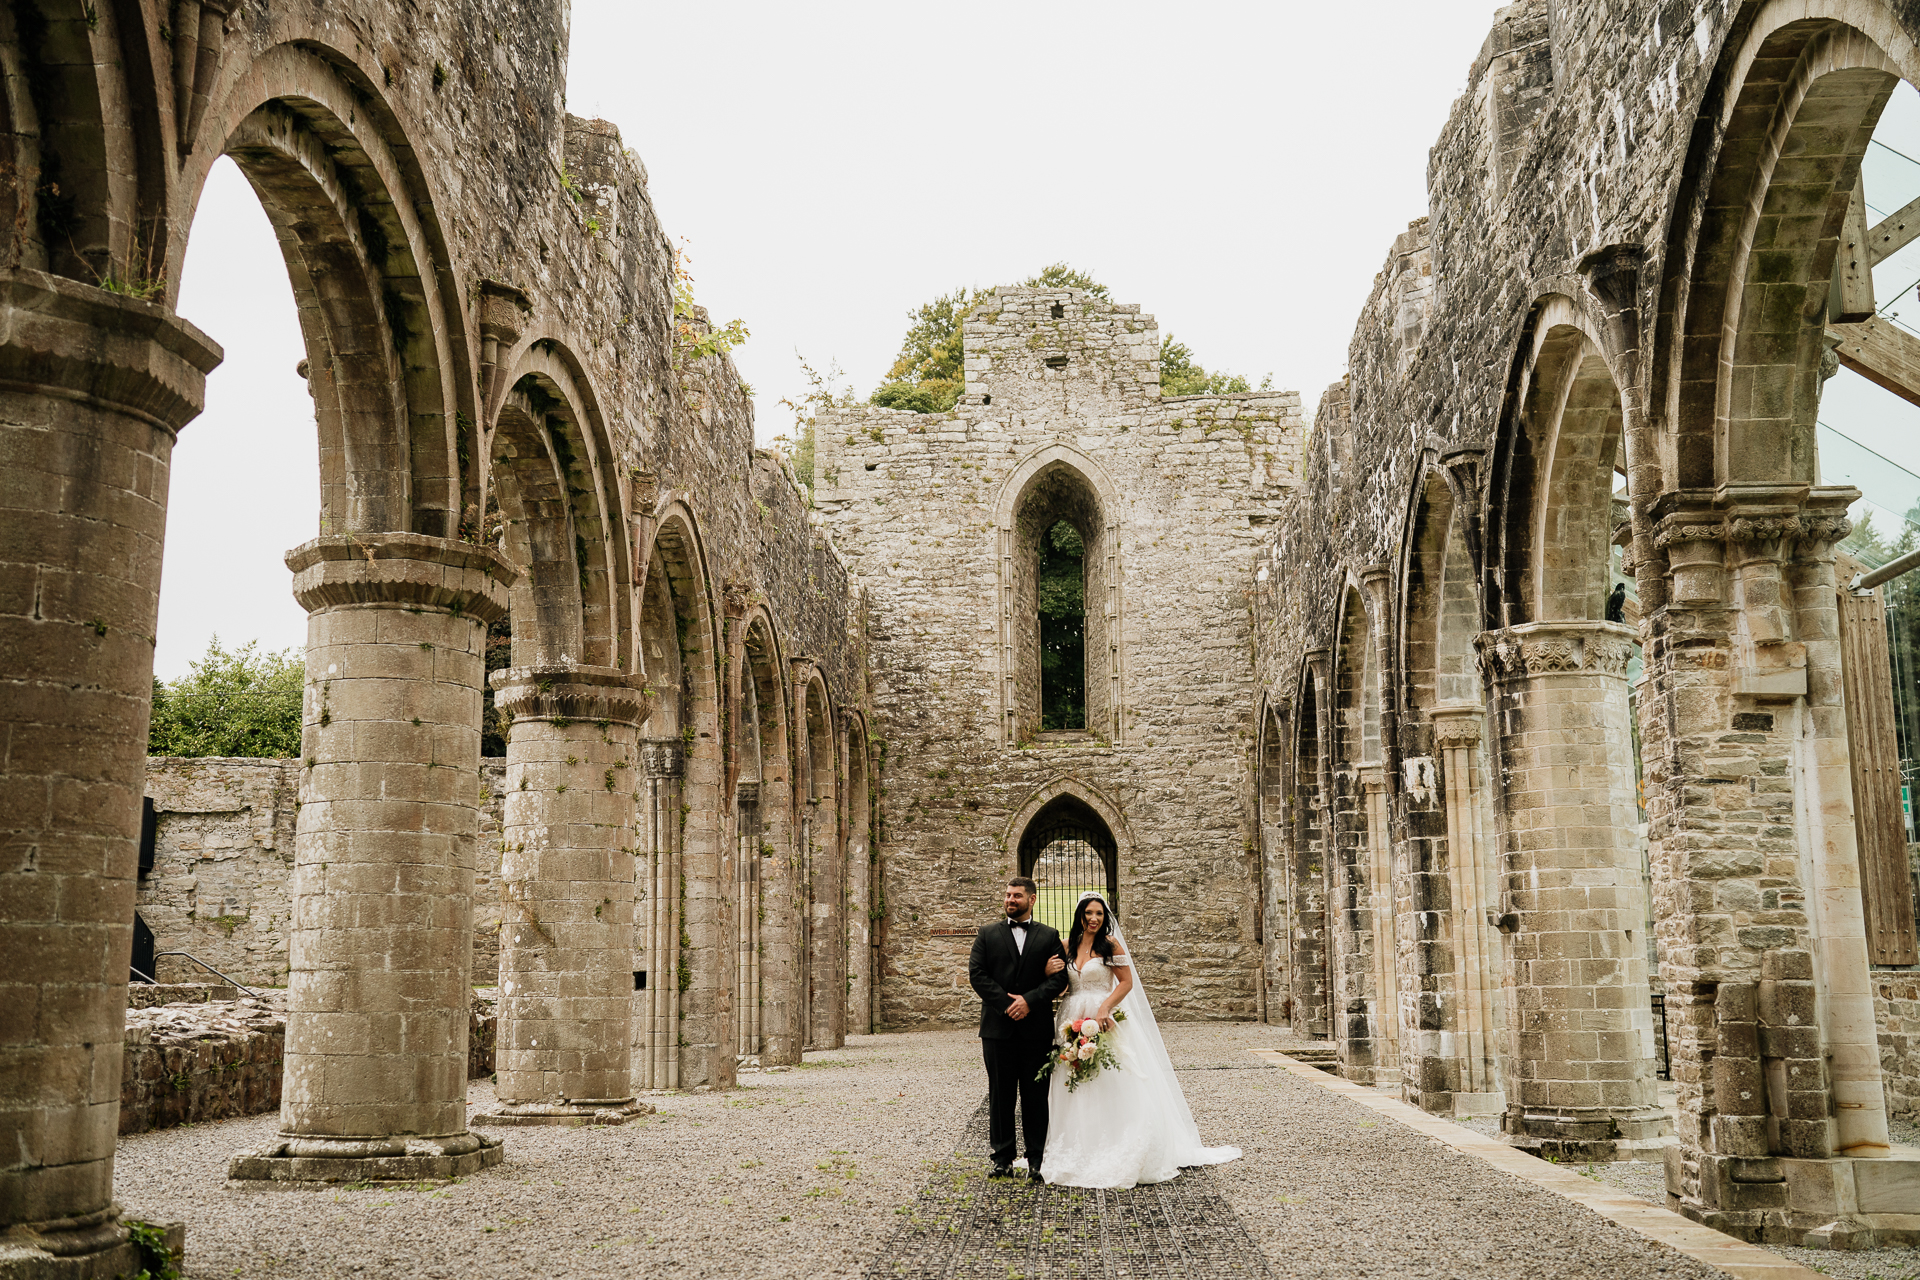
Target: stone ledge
(580, 1119)
(21, 1258)
(266, 1166)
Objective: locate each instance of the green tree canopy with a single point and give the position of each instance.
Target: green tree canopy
(929, 374)
(233, 703)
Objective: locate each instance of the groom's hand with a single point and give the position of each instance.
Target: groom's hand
(1017, 1008)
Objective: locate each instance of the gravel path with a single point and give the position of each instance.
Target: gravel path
(813, 1171)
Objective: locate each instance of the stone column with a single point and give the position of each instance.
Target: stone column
(665, 765)
(564, 1046)
(746, 988)
(382, 939)
(1380, 891)
(93, 388)
(1581, 1080)
(1841, 966)
(1456, 736)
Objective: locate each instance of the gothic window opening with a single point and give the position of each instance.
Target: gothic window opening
(1063, 629)
(1060, 609)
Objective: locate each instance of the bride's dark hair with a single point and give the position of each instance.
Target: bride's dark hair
(1103, 940)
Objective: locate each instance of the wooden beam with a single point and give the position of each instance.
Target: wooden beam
(1882, 353)
(1851, 299)
(1893, 233)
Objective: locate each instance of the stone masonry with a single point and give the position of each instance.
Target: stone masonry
(512, 420)
(1062, 413)
(1402, 729)
(1597, 359)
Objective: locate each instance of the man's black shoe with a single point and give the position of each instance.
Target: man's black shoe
(1034, 1175)
(1001, 1171)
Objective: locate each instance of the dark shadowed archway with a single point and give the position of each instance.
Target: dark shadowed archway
(1069, 850)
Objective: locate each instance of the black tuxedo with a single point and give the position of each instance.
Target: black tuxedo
(1014, 1051)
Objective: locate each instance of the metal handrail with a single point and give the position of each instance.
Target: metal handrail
(188, 955)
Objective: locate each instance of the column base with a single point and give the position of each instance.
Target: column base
(1841, 1203)
(100, 1246)
(1469, 1106)
(575, 1115)
(1588, 1134)
(367, 1160)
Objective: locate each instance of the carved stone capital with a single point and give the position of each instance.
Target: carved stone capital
(735, 596)
(411, 570)
(646, 491)
(663, 757)
(1457, 725)
(504, 309)
(570, 691)
(1688, 526)
(1537, 649)
(747, 793)
(1769, 528)
(102, 349)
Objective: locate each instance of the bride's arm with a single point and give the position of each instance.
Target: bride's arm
(1122, 966)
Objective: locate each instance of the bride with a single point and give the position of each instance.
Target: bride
(1131, 1124)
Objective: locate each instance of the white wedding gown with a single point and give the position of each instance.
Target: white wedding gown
(1123, 1127)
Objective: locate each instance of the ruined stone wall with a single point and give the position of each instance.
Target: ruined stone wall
(223, 867)
(924, 506)
(221, 885)
(1896, 1011)
(1584, 239)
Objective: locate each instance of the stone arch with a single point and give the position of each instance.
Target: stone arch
(1069, 809)
(822, 985)
(1450, 1064)
(1057, 483)
(1562, 744)
(389, 366)
(1274, 894)
(1308, 871)
(772, 897)
(687, 832)
(1550, 516)
(552, 475)
(82, 142)
(1755, 235)
(866, 940)
(1364, 953)
(1745, 533)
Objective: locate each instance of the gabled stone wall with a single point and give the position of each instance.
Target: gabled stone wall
(923, 506)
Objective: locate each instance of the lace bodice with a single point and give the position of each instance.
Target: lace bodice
(1097, 979)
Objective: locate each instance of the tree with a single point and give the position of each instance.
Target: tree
(1062, 592)
(233, 703)
(1180, 376)
(929, 375)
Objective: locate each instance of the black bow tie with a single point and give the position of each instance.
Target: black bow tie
(1017, 924)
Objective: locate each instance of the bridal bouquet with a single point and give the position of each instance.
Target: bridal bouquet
(1084, 1051)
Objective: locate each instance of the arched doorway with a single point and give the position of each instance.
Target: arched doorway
(1069, 850)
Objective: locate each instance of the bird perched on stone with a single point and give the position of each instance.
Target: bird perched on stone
(1617, 603)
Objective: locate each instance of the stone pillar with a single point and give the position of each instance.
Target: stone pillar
(382, 939)
(1581, 1078)
(1380, 892)
(93, 388)
(1456, 736)
(746, 987)
(563, 1051)
(1841, 966)
(665, 765)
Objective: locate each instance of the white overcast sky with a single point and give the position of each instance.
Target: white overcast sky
(1237, 169)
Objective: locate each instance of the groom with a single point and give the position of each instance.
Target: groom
(1008, 970)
